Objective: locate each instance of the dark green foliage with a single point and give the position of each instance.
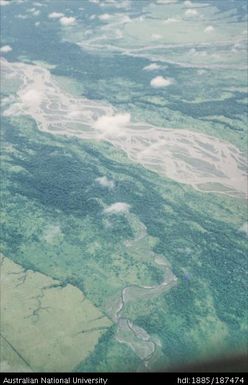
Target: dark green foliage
(55, 185)
(106, 356)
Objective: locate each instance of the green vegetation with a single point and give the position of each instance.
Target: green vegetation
(110, 356)
(58, 320)
(53, 222)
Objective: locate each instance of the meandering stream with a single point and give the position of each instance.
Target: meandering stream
(143, 344)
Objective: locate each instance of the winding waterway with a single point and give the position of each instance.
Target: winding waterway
(143, 344)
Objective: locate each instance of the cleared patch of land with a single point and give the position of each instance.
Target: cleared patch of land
(45, 325)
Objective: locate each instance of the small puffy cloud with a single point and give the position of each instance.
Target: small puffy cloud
(192, 51)
(117, 208)
(156, 36)
(112, 124)
(37, 23)
(201, 72)
(163, 2)
(5, 49)
(55, 15)
(118, 34)
(171, 20)
(195, 52)
(191, 12)
(188, 3)
(105, 182)
(4, 2)
(88, 32)
(31, 97)
(152, 67)
(209, 29)
(104, 17)
(67, 21)
(244, 229)
(117, 4)
(20, 16)
(52, 233)
(8, 100)
(124, 19)
(160, 81)
(75, 114)
(34, 11)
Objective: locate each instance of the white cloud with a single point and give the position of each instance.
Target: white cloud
(52, 233)
(20, 16)
(192, 51)
(124, 19)
(5, 49)
(55, 15)
(75, 114)
(104, 17)
(156, 36)
(118, 4)
(160, 81)
(171, 20)
(191, 12)
(188, 3)
(209, 29)
(37, 23)
(112, 124)
(31, 97)
(88, 32)
(152, 67)
(8, 100)
(118, 34)
(244, 228)
(166, 1)
(67, 20)
(34, 11)
(117, 208)
(201, 72)
(4, 2)
(105, 182)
